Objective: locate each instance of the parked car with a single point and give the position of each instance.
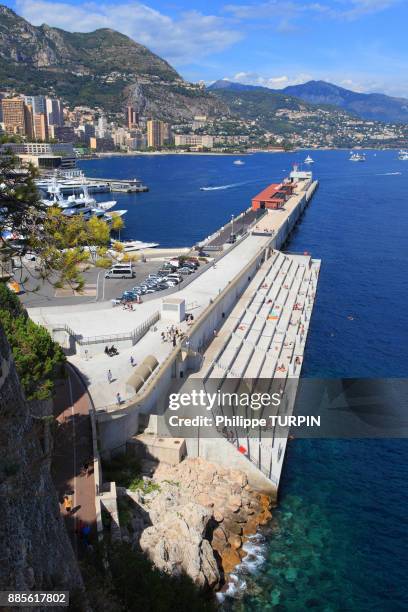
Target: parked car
(186, 270)
(174, 276)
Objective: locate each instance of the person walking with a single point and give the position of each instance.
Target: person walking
(132, 361)
(110, 377)
(118, 399)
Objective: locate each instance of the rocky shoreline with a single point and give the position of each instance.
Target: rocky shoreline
(194, 517)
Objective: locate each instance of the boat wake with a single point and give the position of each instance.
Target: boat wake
(389, 174)
(220, 187)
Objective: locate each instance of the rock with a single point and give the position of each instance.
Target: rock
(177, 544)
(218, 516)
(236, 489)
(235, 541)
(238, 477)
(219, 534)
(250, 527)
(204, 500)
(176, 540)
(232, 527)
(230, 559)
(235, 501)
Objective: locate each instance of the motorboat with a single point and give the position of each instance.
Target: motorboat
(357, 157)
(239, 162)
(136, 245)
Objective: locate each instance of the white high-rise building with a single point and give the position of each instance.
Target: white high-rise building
(54, 111)
(102, 127)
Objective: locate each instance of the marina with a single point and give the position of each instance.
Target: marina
(72, 181)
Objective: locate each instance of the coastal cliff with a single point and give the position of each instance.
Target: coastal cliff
(196, 519)
(35, 550)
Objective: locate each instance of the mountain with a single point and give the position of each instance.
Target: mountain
(231, 86)
(272, 110)
(99, 69)
(373, 106)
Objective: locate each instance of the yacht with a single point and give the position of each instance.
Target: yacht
(357, 157)
(115, 213)
(309, 160)
(239, 162)
(71, 181)
(72, 201)
(403, 155)
(136, 245)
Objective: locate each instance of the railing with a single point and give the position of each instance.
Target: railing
(134, 335)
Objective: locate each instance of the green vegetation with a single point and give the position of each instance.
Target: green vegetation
(123, 469)
(124, 511)
(126, 472)
(142, 587)
(39, 360)
(133, 584)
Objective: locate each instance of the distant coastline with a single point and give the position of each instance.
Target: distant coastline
(107, 154)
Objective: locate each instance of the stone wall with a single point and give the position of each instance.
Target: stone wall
(35, 550)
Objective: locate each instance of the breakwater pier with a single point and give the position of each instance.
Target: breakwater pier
(249, 310)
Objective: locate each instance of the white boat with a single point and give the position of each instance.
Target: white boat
(115, 213)
(71, 181)
(403, 155)
(72, 201)
(136, 245)
(309, 160)
(357, 157)
(239, 162)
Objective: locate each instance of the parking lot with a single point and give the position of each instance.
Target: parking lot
(97, 288)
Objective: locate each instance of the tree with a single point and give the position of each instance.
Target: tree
(64, 245)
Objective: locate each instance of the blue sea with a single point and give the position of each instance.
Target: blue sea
(338, 539)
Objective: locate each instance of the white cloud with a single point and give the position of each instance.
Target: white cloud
(285, 13)
(273, 82)
(190, 36)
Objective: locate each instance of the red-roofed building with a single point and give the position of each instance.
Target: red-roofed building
(274, 196)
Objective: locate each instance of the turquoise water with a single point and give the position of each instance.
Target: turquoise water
(338, 540)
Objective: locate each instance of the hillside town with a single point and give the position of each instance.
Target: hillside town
(49, 134)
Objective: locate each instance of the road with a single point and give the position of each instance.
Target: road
(239, 226)
(72, 449)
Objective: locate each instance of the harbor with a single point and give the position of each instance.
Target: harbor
(73, 181)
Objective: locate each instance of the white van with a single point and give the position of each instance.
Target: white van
(120, 273)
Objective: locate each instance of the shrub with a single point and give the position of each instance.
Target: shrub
(140, 586)
(38, 359)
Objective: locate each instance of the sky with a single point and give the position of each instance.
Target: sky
(358, 44)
